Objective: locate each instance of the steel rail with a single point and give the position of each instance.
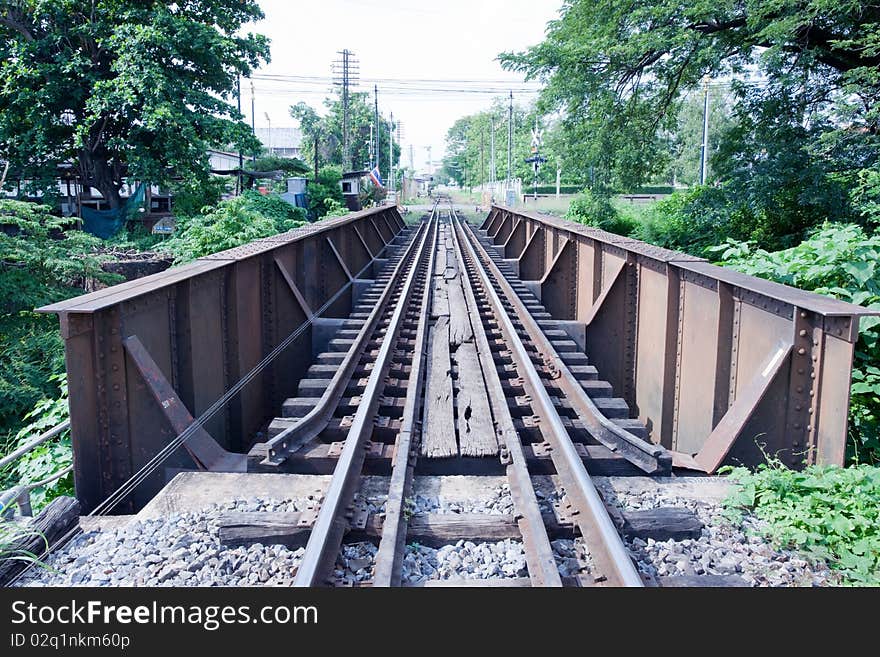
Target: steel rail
(541, 563)
(598, 530)
(317, 419)
(649, 457)
(331, 523)
(388, 567)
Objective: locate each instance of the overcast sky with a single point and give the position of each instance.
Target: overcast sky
(417, 43)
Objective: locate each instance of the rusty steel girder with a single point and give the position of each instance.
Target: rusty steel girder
(721, 367)
(199, 329)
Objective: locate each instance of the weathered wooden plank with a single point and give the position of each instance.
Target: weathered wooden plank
(662, 524)
(460, 329)
(440, 299)
(476, 430)
(451, 265)
(53, 522)
(438, 436)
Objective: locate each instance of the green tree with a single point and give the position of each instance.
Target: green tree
(327, 130)
(123, 88)
(618, 71)
(687, 140)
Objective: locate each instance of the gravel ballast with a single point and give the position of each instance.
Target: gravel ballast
(724, 548)
(181, 549)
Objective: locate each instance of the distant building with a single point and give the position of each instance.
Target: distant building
(284, 142)
(224, 160)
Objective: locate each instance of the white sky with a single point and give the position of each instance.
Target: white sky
(456, 40)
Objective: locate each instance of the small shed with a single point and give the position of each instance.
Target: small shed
(351, 189)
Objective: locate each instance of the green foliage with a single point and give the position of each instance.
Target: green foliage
(563, 189)
(844, 262)
(291, 166)
(468, 150)
(237, 221)
(41, 264)
(796, 145)
(191, 196)
(688, 140)
(830, 513)
(327, 130)
(325, 193)
(123, 88)
(691, 221)
(597, 210)
(48, 459)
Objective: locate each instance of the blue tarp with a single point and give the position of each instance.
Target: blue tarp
(106, 223)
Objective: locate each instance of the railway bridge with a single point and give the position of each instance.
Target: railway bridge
(519, 346)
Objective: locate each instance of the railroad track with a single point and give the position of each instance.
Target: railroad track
(448, 365)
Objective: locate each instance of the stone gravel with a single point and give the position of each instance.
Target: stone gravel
(498, 504)
(464, 560)
(725, 547)
(181, 549)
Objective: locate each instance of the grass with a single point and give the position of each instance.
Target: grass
(828, 513)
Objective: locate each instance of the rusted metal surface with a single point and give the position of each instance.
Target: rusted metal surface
(687, 343)
(205, 325)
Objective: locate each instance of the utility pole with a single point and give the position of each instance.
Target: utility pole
(391, 154)
(376, 119)
(411, 164)
(508, 182)
(253, 115)
(704, 149)
(430, 166)
(482, 161)
(345, 72)
(240, 155)
(492, 155)
(372, 145)
(316, 156)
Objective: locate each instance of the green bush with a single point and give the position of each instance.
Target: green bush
(47, 459)
(190, 197)
(831, 514)
(690, 221)
(237, 221)
(599, 211)
(325, 193)
(842, 261)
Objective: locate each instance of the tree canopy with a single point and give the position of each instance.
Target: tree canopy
(328, 131)
(122, 88)
(802, 142)
(619, 69)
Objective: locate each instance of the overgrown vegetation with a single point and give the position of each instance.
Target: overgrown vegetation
(325, 193)
(46, 460)
(829, 513)
(42, 262)
(231, 223)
